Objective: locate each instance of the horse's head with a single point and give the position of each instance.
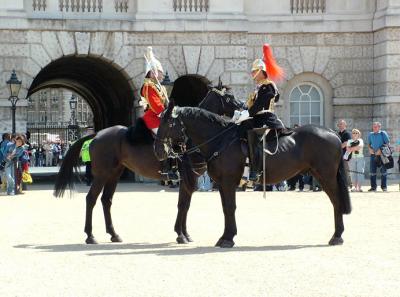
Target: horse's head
(171, 137)
(220, 100)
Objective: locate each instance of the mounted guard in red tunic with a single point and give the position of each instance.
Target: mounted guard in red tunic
(153, 95)
(154, 99)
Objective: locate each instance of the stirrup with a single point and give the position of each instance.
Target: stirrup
(253, 176)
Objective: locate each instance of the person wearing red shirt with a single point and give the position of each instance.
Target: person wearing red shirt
(154, 99)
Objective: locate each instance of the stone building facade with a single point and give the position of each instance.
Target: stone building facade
(51, 106)
(342, 58)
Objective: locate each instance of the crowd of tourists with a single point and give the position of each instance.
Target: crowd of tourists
(379, 148)
(47, 154)
(14, 166)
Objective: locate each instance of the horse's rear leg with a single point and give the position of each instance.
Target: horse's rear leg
(331, 187)
(183, 208)
(91, 198)
(106, 200)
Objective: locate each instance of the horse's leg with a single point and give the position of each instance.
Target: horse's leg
(91, 198)
(228, 198)
(331, 187)
(106, 200)
(183, 207)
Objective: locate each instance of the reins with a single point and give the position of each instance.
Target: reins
(196, 149)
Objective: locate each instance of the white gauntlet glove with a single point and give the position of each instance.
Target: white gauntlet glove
(243, 116)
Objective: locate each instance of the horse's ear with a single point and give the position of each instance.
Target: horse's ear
(219, 83)
(170, 107)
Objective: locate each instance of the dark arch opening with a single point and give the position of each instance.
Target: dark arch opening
(105, 88)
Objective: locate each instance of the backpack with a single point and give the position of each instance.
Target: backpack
(386, 156)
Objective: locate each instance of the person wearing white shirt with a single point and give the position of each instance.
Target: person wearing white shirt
(354, 154)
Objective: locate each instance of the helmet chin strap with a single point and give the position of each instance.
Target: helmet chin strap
(255, 75)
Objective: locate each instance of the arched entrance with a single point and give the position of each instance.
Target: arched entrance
(106, 89)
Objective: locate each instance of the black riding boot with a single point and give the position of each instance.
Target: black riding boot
(167, 172)
(252, 143)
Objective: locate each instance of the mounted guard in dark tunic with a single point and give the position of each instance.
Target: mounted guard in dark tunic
(261, 104)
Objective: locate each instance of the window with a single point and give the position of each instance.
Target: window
(42, 117)
(306, 105)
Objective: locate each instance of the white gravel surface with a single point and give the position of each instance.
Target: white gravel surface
(281, 248)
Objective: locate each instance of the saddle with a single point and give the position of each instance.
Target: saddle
(139, 133)
(270, 138)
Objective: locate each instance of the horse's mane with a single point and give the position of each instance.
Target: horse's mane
(196, 113)
(139, 134)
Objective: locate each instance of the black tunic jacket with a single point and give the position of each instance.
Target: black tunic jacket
(265, 94)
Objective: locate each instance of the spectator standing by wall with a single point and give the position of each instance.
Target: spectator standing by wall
(376, 139)
(48, 154)
(345, 136)
(6, 138)
(13, 151)
(356, 159)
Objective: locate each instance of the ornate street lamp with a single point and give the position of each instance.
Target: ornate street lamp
(14, 85)
(73, 102)
(73, 128)
(167, 83)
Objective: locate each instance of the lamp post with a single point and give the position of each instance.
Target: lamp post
(167, 83)
(14, 85)
(73, 102)
(73, 128)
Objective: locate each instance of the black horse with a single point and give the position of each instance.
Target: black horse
(308, 148)
(119, 147)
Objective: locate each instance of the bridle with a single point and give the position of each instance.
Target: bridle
(183, 138)
(167, 140)
(179, 148)
(224, 99)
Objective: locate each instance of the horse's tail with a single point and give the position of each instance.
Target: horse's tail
(341, 178)
(188, 177)
(65, 176)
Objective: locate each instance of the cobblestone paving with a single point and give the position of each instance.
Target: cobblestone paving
(281, 248)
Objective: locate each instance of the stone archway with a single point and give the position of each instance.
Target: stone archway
(106, 89)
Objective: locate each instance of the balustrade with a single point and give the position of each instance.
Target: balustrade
(307, 6)
(81, 5)
(121, 6)
(39, 5)
(191, 5)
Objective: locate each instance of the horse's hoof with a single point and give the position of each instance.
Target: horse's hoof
(224, 243)
(227, 244)
(336, 241)
(181, 239)
(91, 240)
(188, 238)
(116, 238)
(219, 242)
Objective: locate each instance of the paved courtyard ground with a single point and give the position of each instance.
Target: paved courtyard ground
(281, 248)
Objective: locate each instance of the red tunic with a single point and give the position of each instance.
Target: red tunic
(155, 103)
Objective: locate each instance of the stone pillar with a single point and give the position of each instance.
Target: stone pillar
(387, 66)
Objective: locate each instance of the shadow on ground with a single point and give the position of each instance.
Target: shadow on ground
(122, 187)
(161, 249)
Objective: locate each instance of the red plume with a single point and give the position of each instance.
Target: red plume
(274, 71)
